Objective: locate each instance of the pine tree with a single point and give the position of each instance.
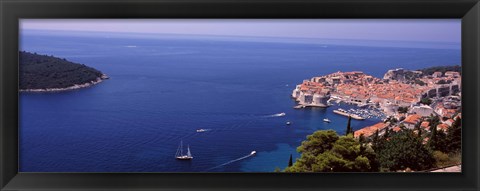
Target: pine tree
(386, 134)
(419, 130)
(434, 121)
(375, 140)
(454, 136)
(290, 161)
(362, 140)
(349, 129)
(433, 137)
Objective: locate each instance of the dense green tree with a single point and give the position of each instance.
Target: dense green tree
(442, 81)
(418, 129)
(362, 139)
(386, 134)
(454, 136)
(441, 143)
(375, 140)
(426, 101)
(432, 142)
(318, 142)
(434, 121)
(402, 109)
(419, 82)
(333, 154)
(404, 150)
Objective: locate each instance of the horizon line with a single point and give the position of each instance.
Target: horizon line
(240, 36)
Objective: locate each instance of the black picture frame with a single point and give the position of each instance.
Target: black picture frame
(13, 10)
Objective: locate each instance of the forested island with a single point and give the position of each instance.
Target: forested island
(39, 73)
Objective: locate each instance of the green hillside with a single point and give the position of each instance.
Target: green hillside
(42, 72)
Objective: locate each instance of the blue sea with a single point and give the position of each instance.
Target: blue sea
(162, 88)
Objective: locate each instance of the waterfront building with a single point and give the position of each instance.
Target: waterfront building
(311, 93)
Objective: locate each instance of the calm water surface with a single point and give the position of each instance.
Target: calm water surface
(161, 90)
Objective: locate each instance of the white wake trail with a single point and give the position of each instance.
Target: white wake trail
(276, 115)
(232, 161)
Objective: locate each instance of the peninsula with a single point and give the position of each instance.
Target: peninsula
(43, 73)
(408, 97)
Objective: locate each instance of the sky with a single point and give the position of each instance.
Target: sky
(421, 30)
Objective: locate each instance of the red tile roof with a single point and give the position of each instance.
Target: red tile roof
(413, 119)
(370, 130)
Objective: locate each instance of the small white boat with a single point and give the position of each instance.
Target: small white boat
(201, 130)
(282, 114)
(327, 120)
(253, 152)
(289, 123)
(180, 156)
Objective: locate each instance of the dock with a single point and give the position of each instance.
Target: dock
(309, 105)
(354, 116)
(298, 106)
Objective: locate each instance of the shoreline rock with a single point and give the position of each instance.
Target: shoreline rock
(74, 87)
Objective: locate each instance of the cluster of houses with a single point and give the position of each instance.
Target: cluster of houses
(398, 88)
(410, 122)
(446, 104)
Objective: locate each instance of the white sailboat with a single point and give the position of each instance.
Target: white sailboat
(180, 156)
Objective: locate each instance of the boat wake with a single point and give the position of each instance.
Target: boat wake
(232, 161)
(276, 115)
(203, 130)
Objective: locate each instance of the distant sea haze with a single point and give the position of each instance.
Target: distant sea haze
(161, 90)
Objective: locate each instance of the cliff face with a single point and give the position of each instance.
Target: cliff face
(48, 72)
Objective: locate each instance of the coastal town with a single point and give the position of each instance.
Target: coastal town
(405, 98)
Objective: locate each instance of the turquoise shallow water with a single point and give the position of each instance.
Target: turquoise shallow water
(161, 90)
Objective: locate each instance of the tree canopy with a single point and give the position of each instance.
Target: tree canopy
(454, 136)
(325, 151)
(426, 101)
(404, 150)
(42, 72)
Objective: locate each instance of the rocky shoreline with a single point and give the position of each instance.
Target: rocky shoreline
(74, 87)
